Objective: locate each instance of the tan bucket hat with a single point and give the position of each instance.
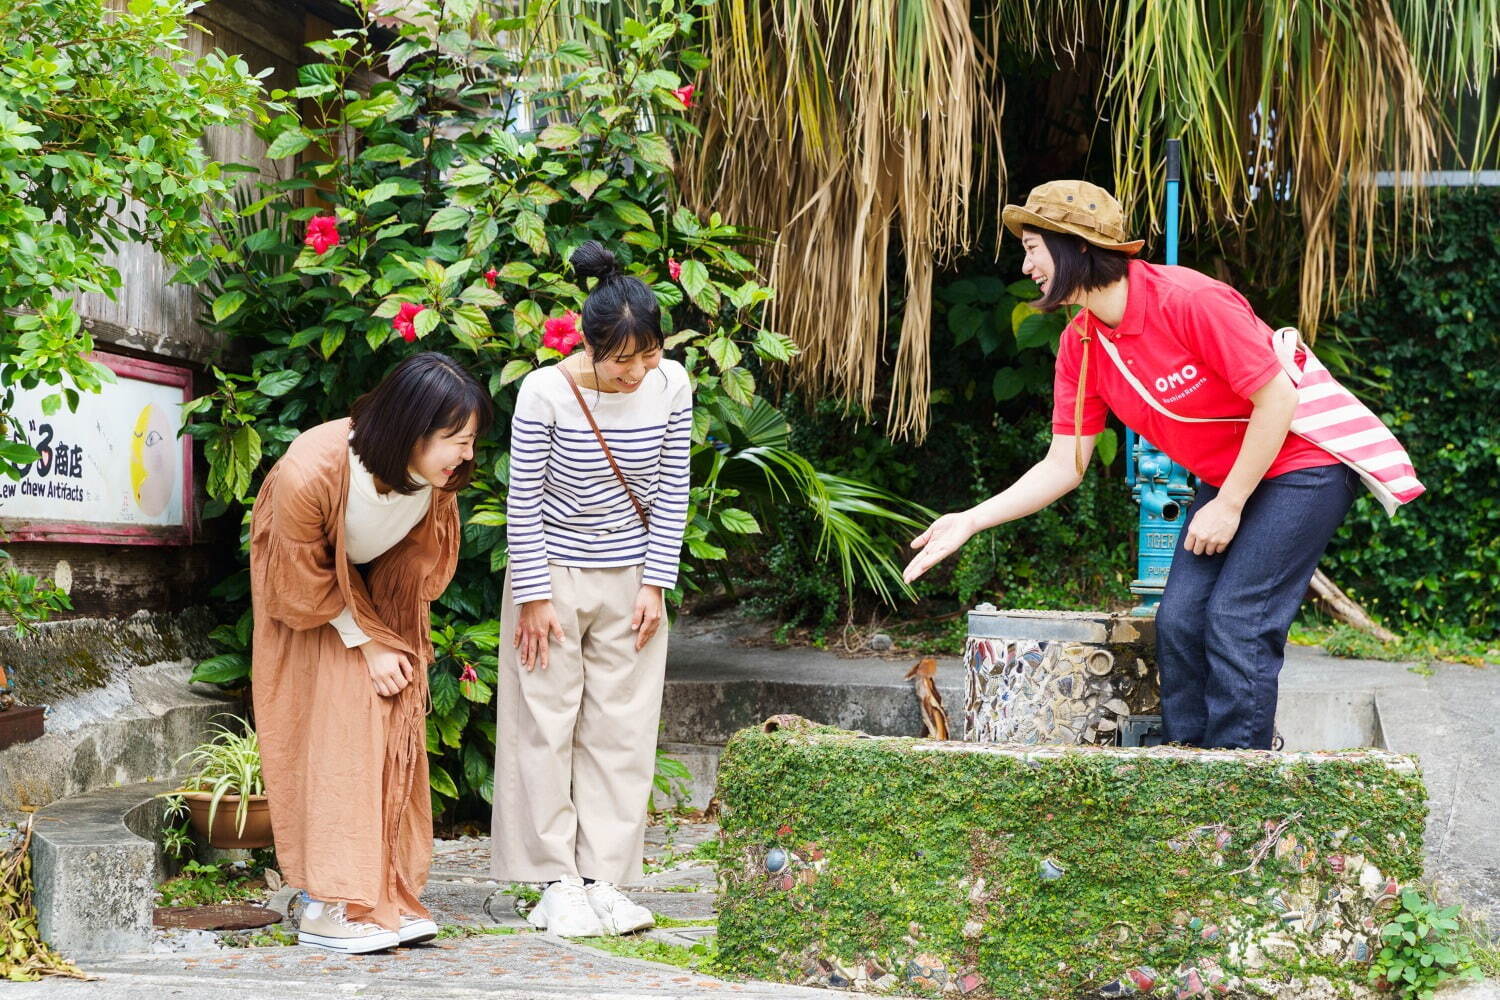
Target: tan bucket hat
(1075, 207)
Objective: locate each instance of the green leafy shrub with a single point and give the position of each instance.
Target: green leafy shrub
(1421, 949)
(1426, 346)
(101, 108)
(1077, 553)
(25, 598)
(203, 884)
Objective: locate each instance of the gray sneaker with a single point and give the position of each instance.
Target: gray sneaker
(327, 925)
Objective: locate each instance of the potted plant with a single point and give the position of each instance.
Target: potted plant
(226, 773)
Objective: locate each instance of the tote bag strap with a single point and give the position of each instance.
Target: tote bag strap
(1135, 383)
(608, 455)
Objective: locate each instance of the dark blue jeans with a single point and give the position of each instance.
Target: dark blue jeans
(1222, 624)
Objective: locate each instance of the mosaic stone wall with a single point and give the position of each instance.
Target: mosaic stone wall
(892, 865)
(1039, 691)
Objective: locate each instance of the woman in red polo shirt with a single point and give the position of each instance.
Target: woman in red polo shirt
(1268, 501)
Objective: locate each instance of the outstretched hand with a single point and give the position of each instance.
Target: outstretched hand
(942, 538)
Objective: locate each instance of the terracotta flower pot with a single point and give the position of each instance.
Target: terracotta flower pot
(223, 835)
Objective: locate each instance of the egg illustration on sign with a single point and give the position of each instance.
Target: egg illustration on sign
(152, 465)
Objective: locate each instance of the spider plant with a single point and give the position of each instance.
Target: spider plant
(228, 764)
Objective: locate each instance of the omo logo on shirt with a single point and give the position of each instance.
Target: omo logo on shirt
(1180, 377)
(1184, 379)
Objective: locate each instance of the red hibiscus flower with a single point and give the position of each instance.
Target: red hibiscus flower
(561, 334)
(674, 269)
(405, 321)
(490, 276)
(468, 674)
(322, 233)
(685, 95)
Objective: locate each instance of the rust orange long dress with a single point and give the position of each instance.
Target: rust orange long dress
(345, 768)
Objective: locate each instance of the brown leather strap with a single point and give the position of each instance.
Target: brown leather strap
(640, 511)
(1083, 375)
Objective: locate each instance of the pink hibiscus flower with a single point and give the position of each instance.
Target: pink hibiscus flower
(405, 321)
(561, 334)
(322, 233)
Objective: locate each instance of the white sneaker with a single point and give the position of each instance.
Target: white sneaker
(617, 913)
(565, 911)
(328, 926)
(415, 930)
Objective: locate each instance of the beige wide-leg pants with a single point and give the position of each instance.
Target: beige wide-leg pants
(575, 744)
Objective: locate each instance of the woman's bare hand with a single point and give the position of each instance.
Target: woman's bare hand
(536, 625)
(1212, 528)
(942, 538)
(390, 669)
(646, 618)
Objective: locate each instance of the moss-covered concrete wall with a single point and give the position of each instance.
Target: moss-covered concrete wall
(901, 865)
(54, 660)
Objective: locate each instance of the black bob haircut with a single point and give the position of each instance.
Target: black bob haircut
(1077, 267)
(426, 394)
(621, 316)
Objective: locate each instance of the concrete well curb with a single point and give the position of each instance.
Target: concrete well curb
(96, 862)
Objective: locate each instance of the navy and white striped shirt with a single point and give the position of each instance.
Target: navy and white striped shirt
(565, 504)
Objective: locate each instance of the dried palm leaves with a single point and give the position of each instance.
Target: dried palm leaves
(840, 127)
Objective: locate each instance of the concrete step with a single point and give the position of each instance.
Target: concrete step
(96, 865)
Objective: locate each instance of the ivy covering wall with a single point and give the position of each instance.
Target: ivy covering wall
(1425, 352)
(896, 865)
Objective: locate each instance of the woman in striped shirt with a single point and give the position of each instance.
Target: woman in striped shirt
(597, 506)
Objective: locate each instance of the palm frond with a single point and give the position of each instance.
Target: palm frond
(855, 520)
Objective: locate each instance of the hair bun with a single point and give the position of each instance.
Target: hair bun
(593, 261)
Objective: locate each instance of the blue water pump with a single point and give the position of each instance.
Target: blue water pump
(1162, 487)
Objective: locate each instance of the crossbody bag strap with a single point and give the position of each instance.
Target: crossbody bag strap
(589, 416)
(1135, 383)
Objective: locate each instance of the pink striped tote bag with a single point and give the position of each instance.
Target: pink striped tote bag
(1327, 414)
(1331, 417)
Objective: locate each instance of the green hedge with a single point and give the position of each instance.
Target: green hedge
(1426, 355)
(913, 866)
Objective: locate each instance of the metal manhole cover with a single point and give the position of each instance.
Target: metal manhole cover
(218, 917)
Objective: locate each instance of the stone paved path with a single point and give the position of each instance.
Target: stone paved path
(503, 958)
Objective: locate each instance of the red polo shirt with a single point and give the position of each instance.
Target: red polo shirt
(1198, 346)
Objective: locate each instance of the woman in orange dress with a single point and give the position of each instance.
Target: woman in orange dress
(355, 531)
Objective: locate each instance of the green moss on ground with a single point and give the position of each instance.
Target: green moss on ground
(698, 958)
(1171, 859)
